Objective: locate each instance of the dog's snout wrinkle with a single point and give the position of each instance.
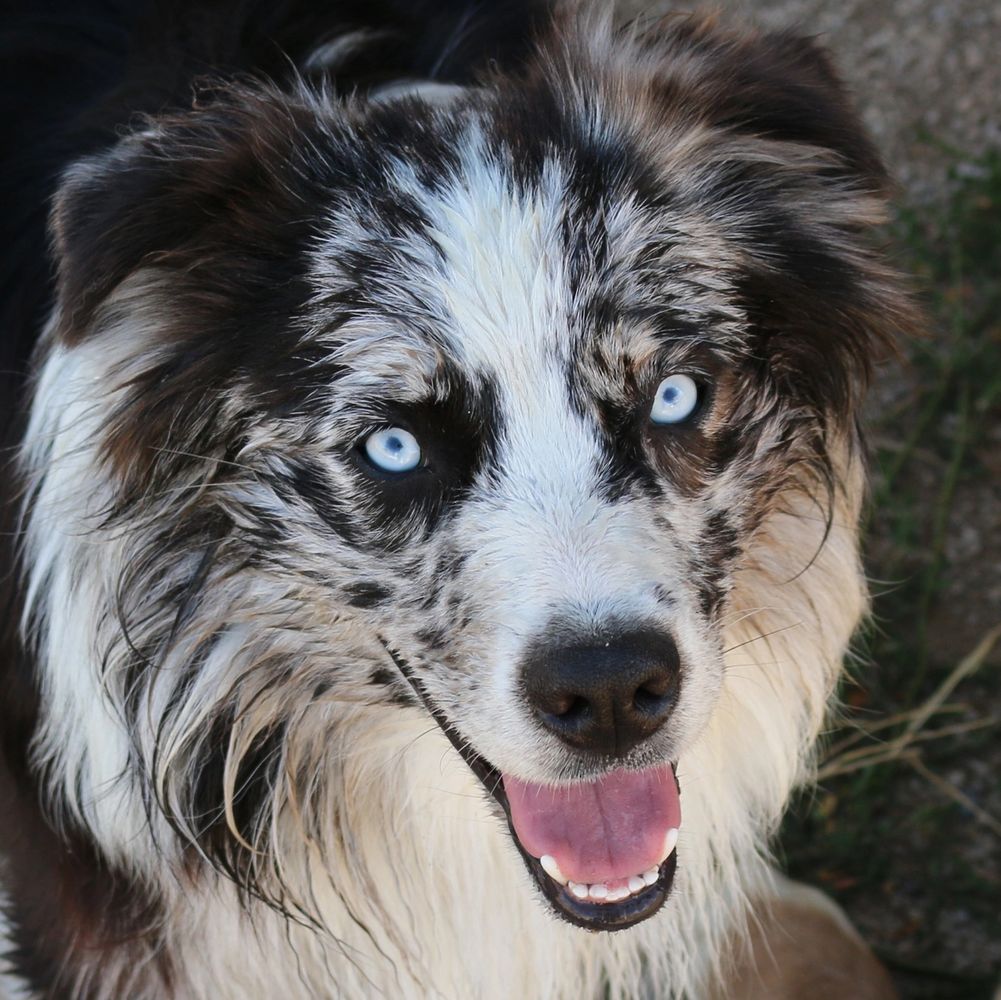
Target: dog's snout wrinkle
(604, 695)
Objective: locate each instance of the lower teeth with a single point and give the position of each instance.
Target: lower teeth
(600, 893)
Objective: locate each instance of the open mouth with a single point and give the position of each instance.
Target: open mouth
(602, 851)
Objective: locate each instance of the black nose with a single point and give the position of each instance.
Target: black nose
(606, 694)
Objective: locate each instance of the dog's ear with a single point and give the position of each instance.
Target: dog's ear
(784, 86)
(777, 157)
(776, 85)
(111, 212)
(180, 191)
(215, 209)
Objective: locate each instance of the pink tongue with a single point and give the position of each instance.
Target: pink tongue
(606, 829)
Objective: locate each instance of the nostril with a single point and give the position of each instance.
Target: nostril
(650, 699)
(658, 686)
(567, 707)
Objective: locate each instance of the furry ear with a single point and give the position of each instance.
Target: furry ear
(218, 183)
(780, 86)
(110, 213)
(784, 86)
(217, 206)
(782, 165)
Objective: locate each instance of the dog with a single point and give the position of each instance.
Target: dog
(431, 523)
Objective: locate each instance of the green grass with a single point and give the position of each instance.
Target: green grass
(884, 832)
(956, 254)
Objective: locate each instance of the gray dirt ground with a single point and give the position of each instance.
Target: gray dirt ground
(926, 75)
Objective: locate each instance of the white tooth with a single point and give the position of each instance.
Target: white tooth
(598, 891)
(651, 876)
(670, 842)
(552, 869)
(614, 895)
(580, 891)
(636, 883)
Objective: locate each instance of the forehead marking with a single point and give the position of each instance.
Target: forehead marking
(504, 285)
(504, 276)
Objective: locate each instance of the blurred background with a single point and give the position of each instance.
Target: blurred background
(905, 827)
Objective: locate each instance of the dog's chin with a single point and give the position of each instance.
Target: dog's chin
(642, 894)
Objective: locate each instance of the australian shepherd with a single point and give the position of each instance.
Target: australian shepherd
(432, 493)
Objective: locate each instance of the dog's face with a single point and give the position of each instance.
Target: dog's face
(473, 408)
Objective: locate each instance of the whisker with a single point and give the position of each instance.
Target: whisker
(744, 615)
(205, 458)
(761, 635)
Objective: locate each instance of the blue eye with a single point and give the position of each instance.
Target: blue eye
(677, 396)
(393, 450)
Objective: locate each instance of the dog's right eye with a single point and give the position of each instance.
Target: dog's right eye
(393, 450)
(676, 399)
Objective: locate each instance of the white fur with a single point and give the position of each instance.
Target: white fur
(401, 878)
(430, 871)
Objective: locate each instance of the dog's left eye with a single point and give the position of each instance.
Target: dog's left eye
(676, 399)
(393, 450)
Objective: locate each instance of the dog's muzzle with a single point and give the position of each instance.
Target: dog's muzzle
(602, 850)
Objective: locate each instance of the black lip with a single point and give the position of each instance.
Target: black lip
(590, 916)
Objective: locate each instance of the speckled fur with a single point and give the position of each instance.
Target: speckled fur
(214, 577)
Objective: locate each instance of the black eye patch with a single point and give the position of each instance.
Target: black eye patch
(457, 436)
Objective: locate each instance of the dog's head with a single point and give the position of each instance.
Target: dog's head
(524, 406)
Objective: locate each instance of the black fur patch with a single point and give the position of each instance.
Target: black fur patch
(367, 594)
(252, 797)
(718, 551)
(458, 438)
